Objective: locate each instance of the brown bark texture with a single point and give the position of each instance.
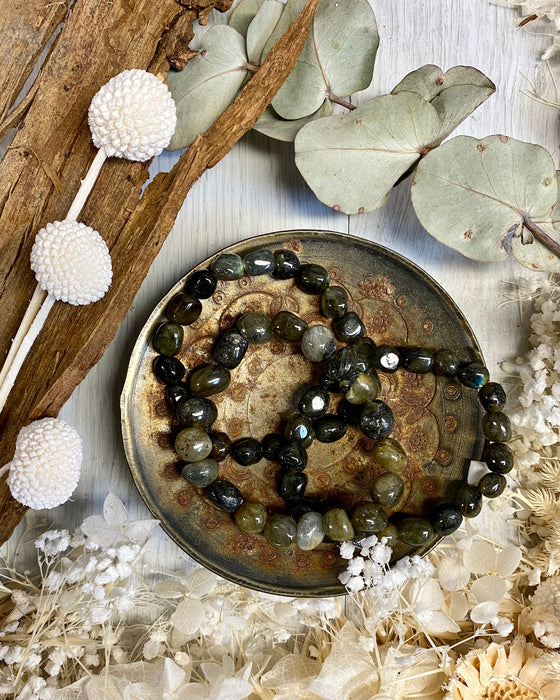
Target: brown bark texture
(51, 152)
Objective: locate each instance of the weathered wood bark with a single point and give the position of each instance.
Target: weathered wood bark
(41, 173)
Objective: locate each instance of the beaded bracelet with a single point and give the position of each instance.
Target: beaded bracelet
(351, 370)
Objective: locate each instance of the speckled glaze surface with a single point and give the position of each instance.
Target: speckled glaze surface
(436, 419)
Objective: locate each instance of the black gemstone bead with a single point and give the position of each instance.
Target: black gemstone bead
(313, 279)
(288, 326)
(386, 359)
(349, 327)
(225, 495)
(342, 366)
(168, 338)
(259, 262)
(221, 446)
(197, 412)
(417, 360)
(227, 266)
(209, 379)
(469, 500)
(292, 456)
(334, 302)
(473, 375)
(292, 486)
(286, 265)
(446, 518)
(329, 428)
(351, 413)
(496, 427)
(174, 394)
(230, 349)
(446, 363)
(306, 505)
(329, 384)
(183, 308)
(377, 420)
(300, 428)
(492, 396)
(492, 485)
(498, 457)
(168, 370)
(271, 446)
(365, 349)
(247, 451)
(201, 284)
(314, 403)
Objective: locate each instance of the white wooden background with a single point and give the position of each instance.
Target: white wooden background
(257, 189)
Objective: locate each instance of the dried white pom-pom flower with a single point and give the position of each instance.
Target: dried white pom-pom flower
(71, 262)
(132, 116)
(46, 465)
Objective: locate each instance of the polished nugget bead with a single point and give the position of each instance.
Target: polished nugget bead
(168, 338)
(246, 451)
(377, 420)
(183, 308)
(390, 534)
(286, 265)
(349, 327)
(168, 370)
(446, 363)
(255, 328)
(227, 266)
(230, 349)
(389, 455)
(417, 360)
(366, 349)
(329, 428)
(251, 517)
(193, 444)
(342, 367)
(201, 284)
(175, 394)
(351, 413)
(364, 388)
(388, 489)
(415, 531)
(469, 500)
(318, 343)
(196, 412)
(314, 402)
(288, 326)
(224, 495)
(498, 457)
(300, 428)
(271, 445)
(492, 396)
(446, 518)
(259, 262)
(209, 380)
(334, 302)
(221, 446)
(496, 427)
(337, 525)
(386, 359)
(292, 486)
(313, 279)
(280, 530)
(310, 531)
(201, 473)
(292, 456)
(492, 485)
(369, 518)
(473, 374)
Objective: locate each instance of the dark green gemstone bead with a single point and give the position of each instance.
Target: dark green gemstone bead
(390, 534)
(193, 444)
(314, 403)
(224, 495)
(271, 446)
(288, 326)
(329, 428)
(369, 518)
(492, 485)
(342, 366)
(255, 328)
(350, 413)
(246, 451)
(201, 284)
(388, 489)
(386, 359)
(183, 308)
(251, 517)
(168, 339)
(377, 420)
(446, 518)
(446, 363)
(389, 455)
(366, 349)
(300, 428)
(415, 531)
(349, 327)
(175, 394)
(496, 427)
(221, 446)
(259, 262)
(197, 412)
(286, 265)
(417, 360)
(230, 349)
(365, 388)
(469, 500)
(318, 343)
(473, 375)
(492, 396)
(280, 530)
(227, 266)
(498, 457)
(313, 279)
(337, 525)
(168, 370)
(334, 302)
(292, 456)
(209, 380)
(292, 486)
(201, 473)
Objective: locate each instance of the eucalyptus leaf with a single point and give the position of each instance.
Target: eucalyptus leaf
(337, 58)
(208, 84)
(470, 194)
(243, 14)
(352, 161)
(261, 28)
(454, 94)
(273, 126)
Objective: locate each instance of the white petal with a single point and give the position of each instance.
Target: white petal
(489, 588)
(508, 561)
(440, 623)
(114, 511)
(429, 596)
(458, 605)
(139, 530)
(484, 612)
(200, 583)
(452, 574)
(99, 531)
(173, 676)
(169, 589)
(188, 616)
(480, 558)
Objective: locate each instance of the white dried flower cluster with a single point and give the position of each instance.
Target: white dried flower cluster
(71, 262)
(132, 116)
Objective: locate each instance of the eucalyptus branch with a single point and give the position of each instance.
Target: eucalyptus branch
(541, 236)
(340, 101)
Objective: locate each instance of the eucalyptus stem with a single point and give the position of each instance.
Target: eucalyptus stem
(542, 237)
(340, 101)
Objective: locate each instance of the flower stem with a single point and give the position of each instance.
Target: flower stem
(87, 185)
(542, 237)
(340, 101)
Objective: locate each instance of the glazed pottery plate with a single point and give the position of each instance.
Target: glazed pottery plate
(436, 419)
